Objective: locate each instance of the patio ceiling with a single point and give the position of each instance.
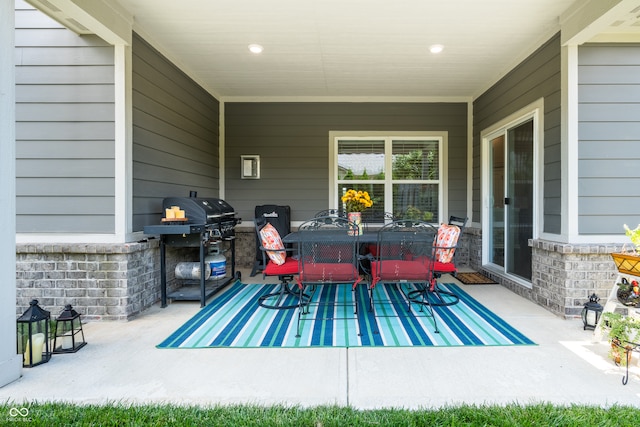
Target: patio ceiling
(364, 48)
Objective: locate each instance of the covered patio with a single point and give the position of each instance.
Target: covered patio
(116, 107)
(120, 363)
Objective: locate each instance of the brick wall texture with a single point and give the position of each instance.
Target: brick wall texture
(119, 281)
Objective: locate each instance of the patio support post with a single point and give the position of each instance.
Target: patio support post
(10, 361)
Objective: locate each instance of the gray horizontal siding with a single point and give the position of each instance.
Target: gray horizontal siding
(25, 18)
(609, 137)
(536, 77)
(621, 186)
(66, 186)
(53, 94)
(292, 140)
(61, 112)
(175, 135)
(48, 34)
(60, 168)
(59, 205)
(30, 128)
(64, 128)
(90, 74)
(79, 223)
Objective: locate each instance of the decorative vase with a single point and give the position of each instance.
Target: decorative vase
(356, 218)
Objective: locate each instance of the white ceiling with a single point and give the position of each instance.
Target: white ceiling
(351, 48)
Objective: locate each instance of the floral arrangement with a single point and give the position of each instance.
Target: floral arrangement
(356, 201)
(634, 236)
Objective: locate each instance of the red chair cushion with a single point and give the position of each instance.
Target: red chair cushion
(395, 270)
(438, 267)
(328, 272)
(444, 267)
(289, 267)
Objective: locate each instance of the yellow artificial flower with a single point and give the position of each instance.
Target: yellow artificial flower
(356, 201)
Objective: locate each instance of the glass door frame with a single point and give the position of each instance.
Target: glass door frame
(535, 112)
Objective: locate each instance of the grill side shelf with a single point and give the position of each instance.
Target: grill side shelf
(174, 229)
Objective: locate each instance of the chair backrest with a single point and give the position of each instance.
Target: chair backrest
(278, 216)
(459, 221)
(269, 238)
(376, 218)
(327, 251)
(404, 252)
(330, 212)
(406, 239)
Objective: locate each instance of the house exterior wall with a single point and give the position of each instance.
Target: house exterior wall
(539, 76)
(565, 274)
(609, 138)
(65, 115)
(175, 150)
(292, 139)
(175, 135)
(608, 128)
(65, 161)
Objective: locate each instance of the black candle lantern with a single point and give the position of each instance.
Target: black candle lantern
(33, 335)
(591, 312)
(69, 334)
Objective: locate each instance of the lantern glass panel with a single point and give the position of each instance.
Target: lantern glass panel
(69, 333)
(33, 335)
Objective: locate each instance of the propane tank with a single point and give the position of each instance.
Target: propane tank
(191, 270)
(217, 262)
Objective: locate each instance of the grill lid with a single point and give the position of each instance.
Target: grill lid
(200, 210)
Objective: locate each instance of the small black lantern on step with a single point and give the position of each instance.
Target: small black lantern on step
(69, 334)
(33, 335)
(591, 312)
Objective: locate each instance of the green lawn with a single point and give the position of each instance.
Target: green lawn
(118, 414)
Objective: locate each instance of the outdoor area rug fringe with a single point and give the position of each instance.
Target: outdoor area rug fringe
(475, 279)
(234, 319)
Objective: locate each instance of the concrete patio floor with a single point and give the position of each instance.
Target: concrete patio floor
(120, 363)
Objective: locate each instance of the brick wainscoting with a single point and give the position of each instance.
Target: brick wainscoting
(118, 281)
(100, 281)
(563, 275)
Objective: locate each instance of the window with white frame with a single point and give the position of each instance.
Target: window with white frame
(403, 175)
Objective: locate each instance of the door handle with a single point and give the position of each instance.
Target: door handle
(507, 200)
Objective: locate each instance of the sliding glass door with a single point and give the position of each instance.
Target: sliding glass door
(511, 196)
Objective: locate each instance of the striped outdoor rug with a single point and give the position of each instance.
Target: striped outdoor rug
(234, 319)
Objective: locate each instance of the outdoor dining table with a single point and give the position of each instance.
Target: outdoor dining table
(367, 240)
(368, 236)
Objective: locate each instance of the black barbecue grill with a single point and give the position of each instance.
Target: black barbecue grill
(215, 214)
(206, 221)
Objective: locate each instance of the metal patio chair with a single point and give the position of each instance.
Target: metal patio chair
(278, 262)
(280, 218)
(447, 246)
(404, 257)
(327, 259)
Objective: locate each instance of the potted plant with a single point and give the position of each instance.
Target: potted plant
(628, 262)
(624, 331)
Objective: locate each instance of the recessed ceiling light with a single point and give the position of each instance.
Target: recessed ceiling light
(256, 48)
(436, 48)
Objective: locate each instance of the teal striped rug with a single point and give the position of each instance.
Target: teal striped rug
(234, 319)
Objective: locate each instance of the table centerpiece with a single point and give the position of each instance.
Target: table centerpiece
(356, 202)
